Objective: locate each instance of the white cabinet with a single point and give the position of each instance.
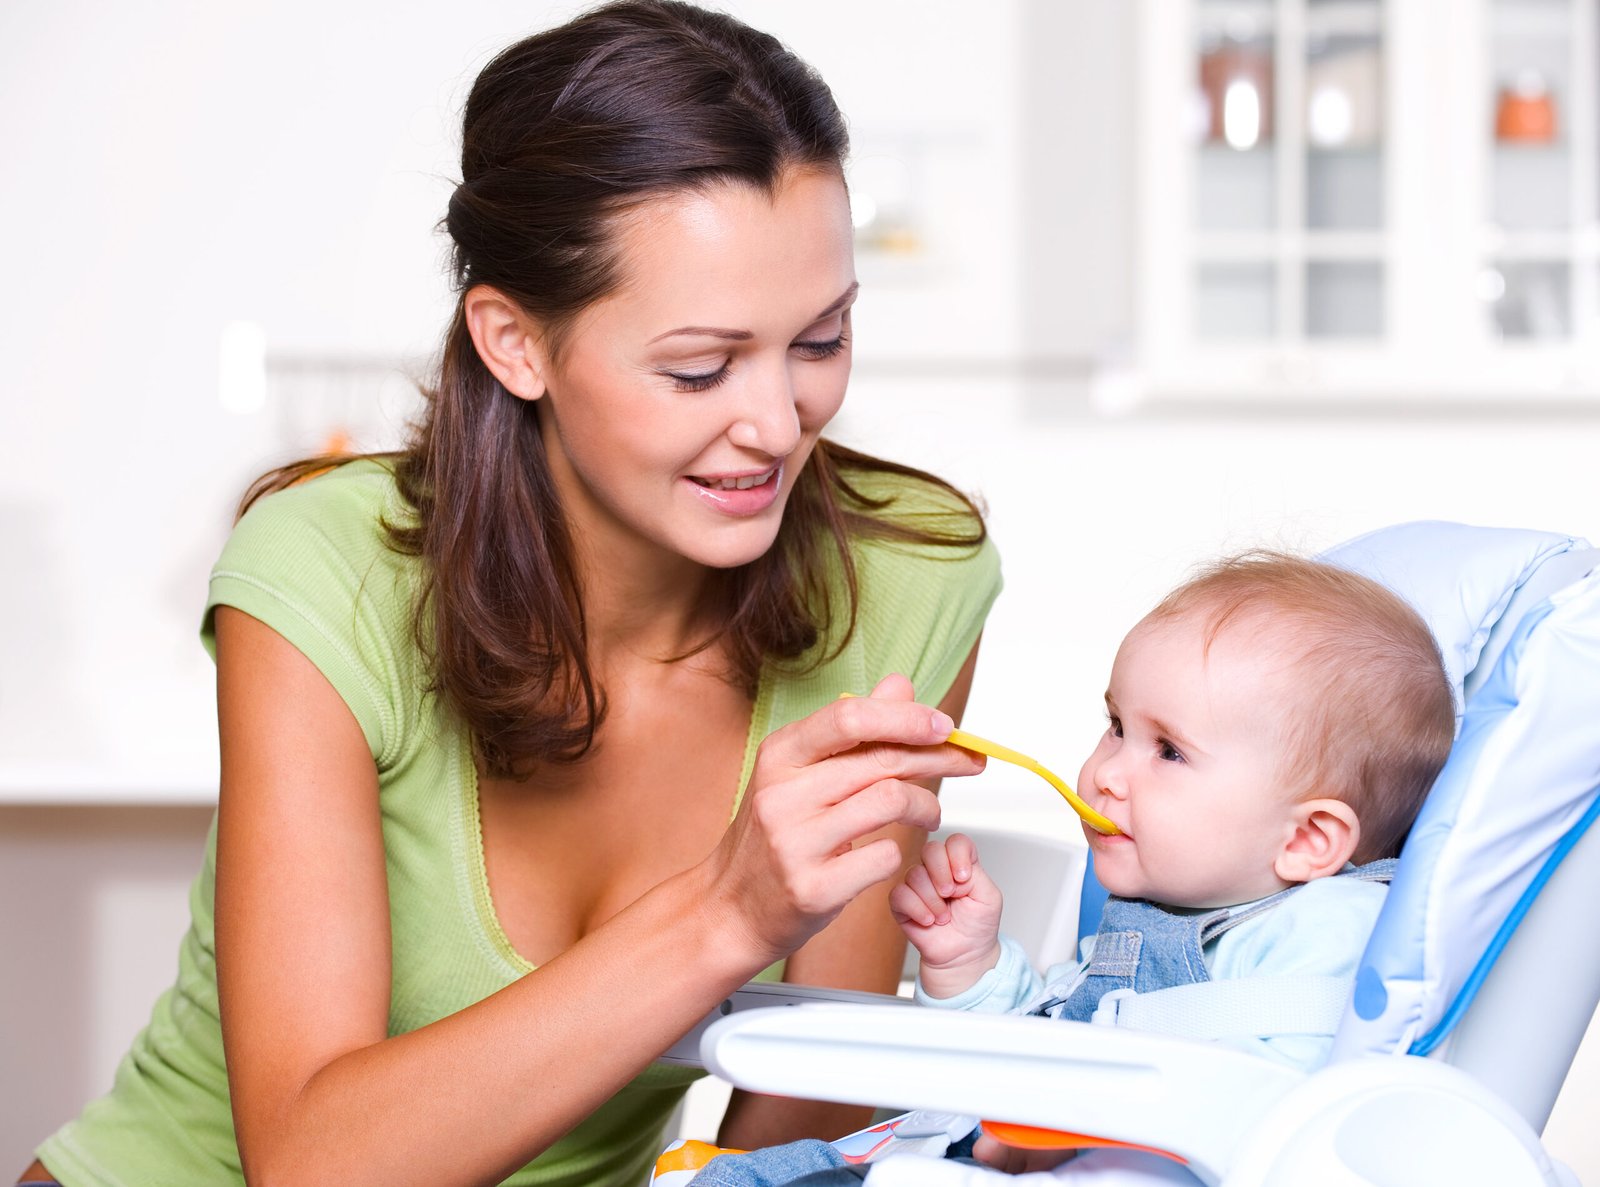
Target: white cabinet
(1356, 199)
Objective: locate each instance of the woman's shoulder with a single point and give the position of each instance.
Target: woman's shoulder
(900, 495)
(919, 534)
(349, 502)
(314, 562)
(331, 525)
(926, 575)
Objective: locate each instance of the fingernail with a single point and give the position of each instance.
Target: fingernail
(942, 723)
(962, 874)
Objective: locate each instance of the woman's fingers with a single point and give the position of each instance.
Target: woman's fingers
(866, 865)
(795, 854)
(886, 802)
(851, 721)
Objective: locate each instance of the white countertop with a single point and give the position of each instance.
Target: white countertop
(90, 784)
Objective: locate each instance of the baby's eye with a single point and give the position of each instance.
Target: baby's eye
(1168, 752)
(1113, 726)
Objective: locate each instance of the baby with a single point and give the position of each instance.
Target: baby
(1272, 728)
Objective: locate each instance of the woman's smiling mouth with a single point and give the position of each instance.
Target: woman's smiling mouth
(739, 495)
(736, 482)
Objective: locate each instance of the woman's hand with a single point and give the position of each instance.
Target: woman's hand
(949, 908)
(789, 864)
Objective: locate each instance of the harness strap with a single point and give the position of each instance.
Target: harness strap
(1237, 1008)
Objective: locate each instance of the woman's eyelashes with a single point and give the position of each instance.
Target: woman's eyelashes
(706, 380)
(698, 383)
(823, 350)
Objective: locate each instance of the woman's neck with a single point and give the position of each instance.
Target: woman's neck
(645, 602)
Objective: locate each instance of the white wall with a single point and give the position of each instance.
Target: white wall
(172, 167)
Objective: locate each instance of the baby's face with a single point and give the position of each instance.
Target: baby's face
(1189, 768)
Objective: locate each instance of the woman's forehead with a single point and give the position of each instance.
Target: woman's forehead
(732, 252)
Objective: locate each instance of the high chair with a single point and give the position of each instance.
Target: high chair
(1472, 997)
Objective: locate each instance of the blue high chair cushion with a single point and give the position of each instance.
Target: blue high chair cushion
(1521, 777)
(1459, 578)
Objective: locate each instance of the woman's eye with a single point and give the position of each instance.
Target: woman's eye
(822, 350)
(698, 383)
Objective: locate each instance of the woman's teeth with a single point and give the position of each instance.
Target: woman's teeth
(744, 483)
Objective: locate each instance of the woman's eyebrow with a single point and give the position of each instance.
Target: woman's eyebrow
(743, 335)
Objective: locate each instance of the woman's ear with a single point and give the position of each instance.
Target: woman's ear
(507, 340)
(1326, 833)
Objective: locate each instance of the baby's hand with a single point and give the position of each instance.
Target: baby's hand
(949, 908)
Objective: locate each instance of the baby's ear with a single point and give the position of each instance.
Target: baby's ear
(1325, 834)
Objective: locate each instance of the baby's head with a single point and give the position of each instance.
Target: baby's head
(1270, 720)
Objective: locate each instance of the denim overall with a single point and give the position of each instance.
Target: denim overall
(1144, 946)
(1140, 946)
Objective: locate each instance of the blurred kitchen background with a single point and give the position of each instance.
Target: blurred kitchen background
(1157, 278)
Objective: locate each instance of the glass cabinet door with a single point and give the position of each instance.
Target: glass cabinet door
(1354, 199)
(1287, 127)
(1538, 282)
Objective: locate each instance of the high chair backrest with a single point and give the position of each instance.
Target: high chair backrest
(1477, 882)
(1481, 955)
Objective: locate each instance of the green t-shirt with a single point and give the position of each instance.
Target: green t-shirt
(313, 563)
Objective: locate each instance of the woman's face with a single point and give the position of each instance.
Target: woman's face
(682, 407)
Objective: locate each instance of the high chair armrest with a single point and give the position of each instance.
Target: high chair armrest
(755, 995)
(1196, 1100)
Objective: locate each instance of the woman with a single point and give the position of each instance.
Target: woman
(487, 705)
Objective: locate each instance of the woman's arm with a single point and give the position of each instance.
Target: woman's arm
(862, 949)
(320, 1094)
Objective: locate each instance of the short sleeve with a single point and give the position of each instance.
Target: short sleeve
(313, 563)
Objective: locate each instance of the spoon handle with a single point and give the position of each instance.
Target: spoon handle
(1092, 818)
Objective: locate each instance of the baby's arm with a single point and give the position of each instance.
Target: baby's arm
(949, 908)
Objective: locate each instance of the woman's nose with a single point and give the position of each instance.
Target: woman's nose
(768, 420)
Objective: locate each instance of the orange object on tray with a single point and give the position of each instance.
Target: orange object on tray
(1032, 1137)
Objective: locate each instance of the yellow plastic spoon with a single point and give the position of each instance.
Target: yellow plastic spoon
(994, 750)
(1005, 754)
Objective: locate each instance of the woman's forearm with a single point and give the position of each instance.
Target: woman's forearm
(474, 1096)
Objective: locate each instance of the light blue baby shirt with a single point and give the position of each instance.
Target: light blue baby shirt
(1320, 930)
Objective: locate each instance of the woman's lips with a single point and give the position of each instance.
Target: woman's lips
(739, 494)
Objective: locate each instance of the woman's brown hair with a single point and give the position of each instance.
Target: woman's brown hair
(563, 132)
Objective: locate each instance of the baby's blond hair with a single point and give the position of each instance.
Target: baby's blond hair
(1375, 717)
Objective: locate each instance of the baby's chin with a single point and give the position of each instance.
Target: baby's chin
(1184, 898)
